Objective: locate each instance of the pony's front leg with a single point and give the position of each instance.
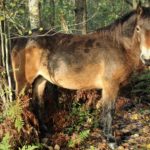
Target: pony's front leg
(107, 104)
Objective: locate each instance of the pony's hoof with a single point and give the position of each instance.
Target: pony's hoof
(112, 146)
(111, 138)
(111, 142)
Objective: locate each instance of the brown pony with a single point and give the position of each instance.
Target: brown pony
(103, 59)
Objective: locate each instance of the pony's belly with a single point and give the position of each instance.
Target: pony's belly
(77, 77)
(74, 76)
(75, 84)
(73, 80)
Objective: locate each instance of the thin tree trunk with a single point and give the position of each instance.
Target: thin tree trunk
(64, 23)
(2, 54)
(8, 69)
(34, 14)
(2, 95)
(2, 45)
(81, 16)
(5, 74)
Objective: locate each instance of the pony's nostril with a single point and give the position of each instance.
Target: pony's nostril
(147, 62)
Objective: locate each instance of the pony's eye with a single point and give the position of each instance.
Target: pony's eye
(138, 28)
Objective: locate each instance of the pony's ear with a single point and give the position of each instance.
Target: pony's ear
(139, 8)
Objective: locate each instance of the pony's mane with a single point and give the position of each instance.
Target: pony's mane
(121, 27)
(117, 22)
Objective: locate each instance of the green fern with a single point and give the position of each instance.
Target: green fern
(82, 115)
(84, 134)
(30, 147)
(19, 122)
(79, 138)
(14, 111)
(4, 145)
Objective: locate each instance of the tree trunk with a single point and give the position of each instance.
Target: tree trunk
(64, 25)
(34, 14)
(2, 63)
(81, 16)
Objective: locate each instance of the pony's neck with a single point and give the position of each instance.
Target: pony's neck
(123, 32)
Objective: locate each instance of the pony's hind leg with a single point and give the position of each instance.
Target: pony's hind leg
(18, 72)
(24, 70)
(22, 85)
